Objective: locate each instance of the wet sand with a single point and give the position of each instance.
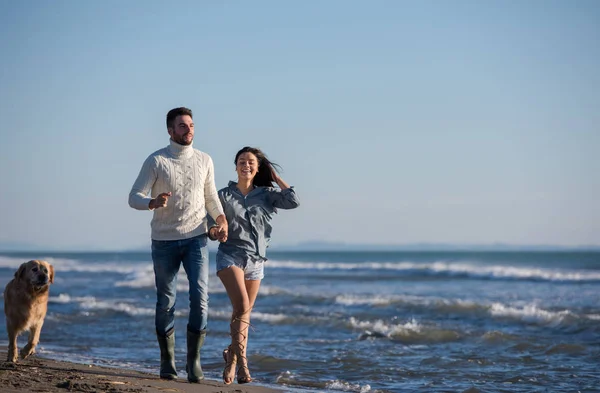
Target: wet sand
(41, 375)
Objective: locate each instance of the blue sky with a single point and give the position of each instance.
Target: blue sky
(396, 121)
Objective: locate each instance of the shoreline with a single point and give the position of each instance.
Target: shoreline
(38, 374)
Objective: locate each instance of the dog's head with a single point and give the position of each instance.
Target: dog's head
(37, 273)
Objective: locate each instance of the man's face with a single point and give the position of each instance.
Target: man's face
(183, 130)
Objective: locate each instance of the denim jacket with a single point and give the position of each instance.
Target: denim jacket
(249, 217)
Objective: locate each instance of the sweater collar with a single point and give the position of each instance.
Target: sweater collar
(180, 151)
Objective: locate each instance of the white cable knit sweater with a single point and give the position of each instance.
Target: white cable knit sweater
(189, 175)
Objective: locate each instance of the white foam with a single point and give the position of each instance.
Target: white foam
(64, 298)
(449, 268)
(529, 313)
(409, 300)
(255, 316)
(387, 329)
(342, 266)
(93, 304)
(9, 262)
(267, 290)
(142, 273)
(272, 318)
(141, 278)
(517, 272)
(88, 303)
(374, 300)
(144, 278)
(73, 265)
(347, 387)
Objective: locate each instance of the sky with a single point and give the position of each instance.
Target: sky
(397, 122)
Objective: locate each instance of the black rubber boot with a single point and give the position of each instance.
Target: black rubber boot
(167, 356)
(193, 367)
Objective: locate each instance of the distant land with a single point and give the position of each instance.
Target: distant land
(340, 246)
(328, 246)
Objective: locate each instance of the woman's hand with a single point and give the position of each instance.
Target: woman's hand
(213, 233)
(280, 182)
(222, 228)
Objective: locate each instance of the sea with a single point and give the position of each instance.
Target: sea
(349, 321)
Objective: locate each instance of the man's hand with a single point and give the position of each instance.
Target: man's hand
(160, 201)
(222, 228)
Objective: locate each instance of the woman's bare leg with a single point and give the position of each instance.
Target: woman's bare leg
(233, 280)
(243, 374)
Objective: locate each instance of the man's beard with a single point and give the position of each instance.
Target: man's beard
(182, 141)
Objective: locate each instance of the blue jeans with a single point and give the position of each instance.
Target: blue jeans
(167, 257)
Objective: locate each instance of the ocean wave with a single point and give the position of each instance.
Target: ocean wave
(527, 313)
(128, 307)
(269, 290)
(74, 265)
(566, 349)
(142, 275)
(137, 275)
(63, 298)
(271, 318)
(256, 316)
(521, 313)
(289, 379)
(347, 386)
(91, 303)
(442, 268)
(497, 337)
(531, 313)
(144, 278)
(411, 332)
(371, 300)
(88, 303)
(434, 303)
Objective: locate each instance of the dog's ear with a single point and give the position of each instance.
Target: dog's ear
(19, 274)
(51, 270)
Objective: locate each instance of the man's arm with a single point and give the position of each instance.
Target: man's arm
(213, 204)
(139, 195)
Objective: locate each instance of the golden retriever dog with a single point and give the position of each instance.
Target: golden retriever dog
(25, 305)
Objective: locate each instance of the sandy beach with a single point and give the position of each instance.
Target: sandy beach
(44, 375)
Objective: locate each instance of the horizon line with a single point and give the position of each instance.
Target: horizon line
(340, 246)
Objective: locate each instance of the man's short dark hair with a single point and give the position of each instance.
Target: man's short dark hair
(173, 113)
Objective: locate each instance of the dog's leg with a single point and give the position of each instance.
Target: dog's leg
(12, 345)
(34, 338)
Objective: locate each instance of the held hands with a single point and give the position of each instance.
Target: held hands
(160, 201)
(213, 234)
(221, 231)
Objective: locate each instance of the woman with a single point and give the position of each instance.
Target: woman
(249, 206)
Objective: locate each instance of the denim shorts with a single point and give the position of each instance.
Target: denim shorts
(253, 266)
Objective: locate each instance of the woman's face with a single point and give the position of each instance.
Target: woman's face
(247, 166)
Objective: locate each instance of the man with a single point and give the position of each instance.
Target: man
(177, 183)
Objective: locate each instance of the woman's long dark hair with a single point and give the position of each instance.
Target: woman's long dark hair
(264, 177)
